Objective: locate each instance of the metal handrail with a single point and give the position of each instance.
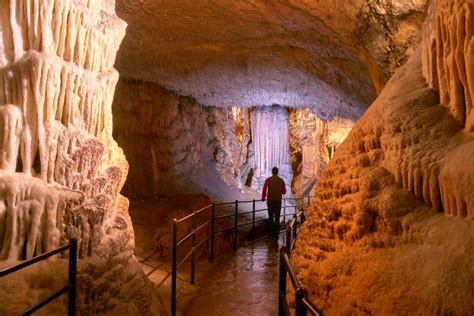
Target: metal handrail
(302, 303)
(70, 288)
(211, 237)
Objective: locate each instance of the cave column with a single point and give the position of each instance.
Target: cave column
(270, 140)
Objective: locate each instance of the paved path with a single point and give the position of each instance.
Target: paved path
(244, 283)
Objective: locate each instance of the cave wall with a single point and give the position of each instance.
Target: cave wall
(393, 229)
(174, 144)
(313, 142)
(387, 34)
(448, 57)
(60, 169)
(171, 139)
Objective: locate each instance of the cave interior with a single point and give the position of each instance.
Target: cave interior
(119, 116)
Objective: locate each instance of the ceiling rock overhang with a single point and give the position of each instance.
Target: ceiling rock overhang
(331, 56)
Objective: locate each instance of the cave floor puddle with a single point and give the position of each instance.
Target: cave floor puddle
(240, 283)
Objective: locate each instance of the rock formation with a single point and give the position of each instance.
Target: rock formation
(173, 143)
(61, 171)
(375, 241)
(271, 144)
(212, 96)
(313, 143)
(57, 84)
(448, 57)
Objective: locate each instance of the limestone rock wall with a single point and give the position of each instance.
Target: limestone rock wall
(376, 232)
(389, 31)
(313, 142)
(448, 57)
(61, 170)
(169, 139)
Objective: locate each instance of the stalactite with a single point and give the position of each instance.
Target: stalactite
(448, 57)
(56, 89)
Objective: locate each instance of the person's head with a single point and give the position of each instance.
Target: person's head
(275, 170)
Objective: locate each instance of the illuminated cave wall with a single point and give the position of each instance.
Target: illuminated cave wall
(448, 57)
(170, 140)
(271, 144)
(60, 169)
(175, 145)
(313, 142)
(393, 227)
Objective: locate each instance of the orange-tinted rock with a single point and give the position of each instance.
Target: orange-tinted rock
(376, 241)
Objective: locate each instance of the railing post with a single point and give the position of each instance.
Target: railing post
(173, 272)
(295, 227)
(288, 240)
(211, 256)
(300, 308)
(284, 211)
(309, 200)
(193, 249)
(72, 277)
(253, 215)
(236, 228)
(282, 282)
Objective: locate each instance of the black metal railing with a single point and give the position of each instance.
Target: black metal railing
(303, 304)
(70, 288)
(210, 224)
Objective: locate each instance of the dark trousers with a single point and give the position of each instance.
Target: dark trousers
(274, 208)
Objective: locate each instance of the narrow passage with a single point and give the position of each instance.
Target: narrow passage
(244, 283)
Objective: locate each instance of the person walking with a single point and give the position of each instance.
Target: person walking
(273, 188)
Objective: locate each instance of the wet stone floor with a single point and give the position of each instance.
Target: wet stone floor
(241, 283)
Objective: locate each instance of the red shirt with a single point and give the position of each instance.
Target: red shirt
(275, 187)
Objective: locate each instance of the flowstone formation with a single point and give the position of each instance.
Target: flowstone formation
(271, 144)
(61, 171)
(448, 57)
(59, 161)
(376, 241)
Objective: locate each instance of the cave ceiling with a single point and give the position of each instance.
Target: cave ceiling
(330, 55)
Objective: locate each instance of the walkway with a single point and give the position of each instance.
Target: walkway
(242, 283)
